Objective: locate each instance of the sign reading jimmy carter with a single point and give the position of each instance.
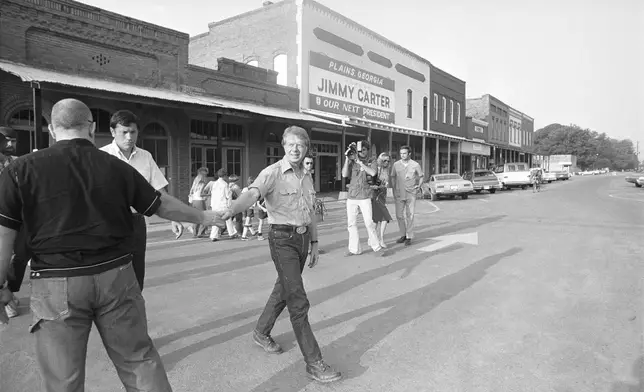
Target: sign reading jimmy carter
(338, 87)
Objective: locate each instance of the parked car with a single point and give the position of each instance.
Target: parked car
(561, 175)
(447, 185)
(548, 176)
(483, 179)
(513, 175)
(632, 178)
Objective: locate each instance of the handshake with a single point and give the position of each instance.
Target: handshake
(216, 217)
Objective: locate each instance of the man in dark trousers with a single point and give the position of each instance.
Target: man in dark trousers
(21, 255)
(74, 202)
(287, 188)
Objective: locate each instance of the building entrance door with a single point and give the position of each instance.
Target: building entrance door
(203, 156)
(233, 163)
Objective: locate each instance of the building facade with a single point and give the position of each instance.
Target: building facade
(477, 149)
(347, 73)
(190, 116)
(509, 131)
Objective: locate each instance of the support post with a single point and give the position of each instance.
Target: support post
(437, 160)
(343, 180)
(449, 156)
(39, 140)
(391, 141)
(424, 157)
(220, 147)
(458, 154)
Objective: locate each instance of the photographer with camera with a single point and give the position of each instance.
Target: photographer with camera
(360, 176)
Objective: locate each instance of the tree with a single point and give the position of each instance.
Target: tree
(592, 149)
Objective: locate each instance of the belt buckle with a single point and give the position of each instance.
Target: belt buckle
(300, 230)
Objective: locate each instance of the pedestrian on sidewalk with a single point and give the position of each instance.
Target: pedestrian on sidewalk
(406, 179)
(21, 252)
(124, 126)
(74, 202)
(262, 214)
(379, 186)
(288, 190)
(248, 214)
(308, 165)
(220, 200)
(357, 170)
(197, 198)
(235, 192)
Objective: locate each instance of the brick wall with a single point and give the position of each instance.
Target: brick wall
(259, 35)
(268, 94)
(72, 37)
(450, 87)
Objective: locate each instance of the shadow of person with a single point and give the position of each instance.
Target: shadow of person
(345, 352)
(638, 374)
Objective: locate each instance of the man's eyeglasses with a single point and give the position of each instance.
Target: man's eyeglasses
(385, 161)
(308, 163)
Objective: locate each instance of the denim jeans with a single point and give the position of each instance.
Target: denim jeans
(139, 245)
(63, 312)
(405, 211)
(289, 252)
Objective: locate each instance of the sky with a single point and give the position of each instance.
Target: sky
(568, 61)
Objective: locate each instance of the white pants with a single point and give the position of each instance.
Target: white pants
(352, 222)
(215, 231)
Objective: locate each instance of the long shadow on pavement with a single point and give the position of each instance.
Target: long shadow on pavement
(346, 351)
(315, 297)
(234, 265)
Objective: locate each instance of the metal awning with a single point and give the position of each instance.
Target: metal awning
(31, 74)
(361, 122)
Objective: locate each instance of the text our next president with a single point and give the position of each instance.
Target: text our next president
(341, 88)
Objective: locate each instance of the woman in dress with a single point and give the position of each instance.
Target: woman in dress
(380, 214)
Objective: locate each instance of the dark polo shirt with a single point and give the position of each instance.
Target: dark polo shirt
(74, 201)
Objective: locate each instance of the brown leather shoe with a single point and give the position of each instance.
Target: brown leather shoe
(267, 343)
(321, 372)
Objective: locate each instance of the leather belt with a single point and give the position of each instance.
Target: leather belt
(290, 228)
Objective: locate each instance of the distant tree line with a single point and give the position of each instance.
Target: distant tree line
(592, 149)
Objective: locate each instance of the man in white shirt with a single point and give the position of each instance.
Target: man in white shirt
(125, 131)
(221, 199)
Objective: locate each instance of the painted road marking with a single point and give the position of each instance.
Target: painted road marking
(447, 240)
(626, 198)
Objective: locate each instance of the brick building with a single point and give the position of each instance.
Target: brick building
(509, 130)
(190, 116)
(477, 154)
(345, 72)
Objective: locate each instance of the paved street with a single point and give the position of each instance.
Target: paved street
(545, 295)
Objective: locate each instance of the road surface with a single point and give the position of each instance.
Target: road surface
(544, 293)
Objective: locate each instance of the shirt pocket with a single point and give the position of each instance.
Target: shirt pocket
(289, 196)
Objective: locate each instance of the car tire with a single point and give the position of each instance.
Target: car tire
(638, 185)
(478, 191)
(493, 191)
(523, 187)
(464, 197)
(433, 196)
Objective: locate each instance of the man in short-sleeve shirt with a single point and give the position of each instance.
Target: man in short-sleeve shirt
(74, 202)
(287, 188)
(406, 179)
(125, 130)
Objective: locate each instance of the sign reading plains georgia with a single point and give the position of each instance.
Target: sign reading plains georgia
(338, 87)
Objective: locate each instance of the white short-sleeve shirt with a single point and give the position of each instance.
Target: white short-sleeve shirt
(143, 162)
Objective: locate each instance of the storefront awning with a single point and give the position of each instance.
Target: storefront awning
(31, 74)
(361, 122)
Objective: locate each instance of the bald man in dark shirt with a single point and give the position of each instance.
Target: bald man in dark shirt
(74, 202)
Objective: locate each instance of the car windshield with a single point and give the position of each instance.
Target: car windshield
(483, 174)
(445, 177)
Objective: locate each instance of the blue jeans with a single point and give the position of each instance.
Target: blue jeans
(64, 310)
(289, 252)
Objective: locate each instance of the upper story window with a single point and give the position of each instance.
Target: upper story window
(425, 114)
(458, 114)
(435, 107)
(444, 103)
(451, 112)
(409, 103)
(280, 65)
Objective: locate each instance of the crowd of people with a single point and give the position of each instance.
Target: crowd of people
(78, 213)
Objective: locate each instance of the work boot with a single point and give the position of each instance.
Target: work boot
(401, 240)
(267, 343)
(321, 372)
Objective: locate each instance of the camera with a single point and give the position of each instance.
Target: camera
(351, 150)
